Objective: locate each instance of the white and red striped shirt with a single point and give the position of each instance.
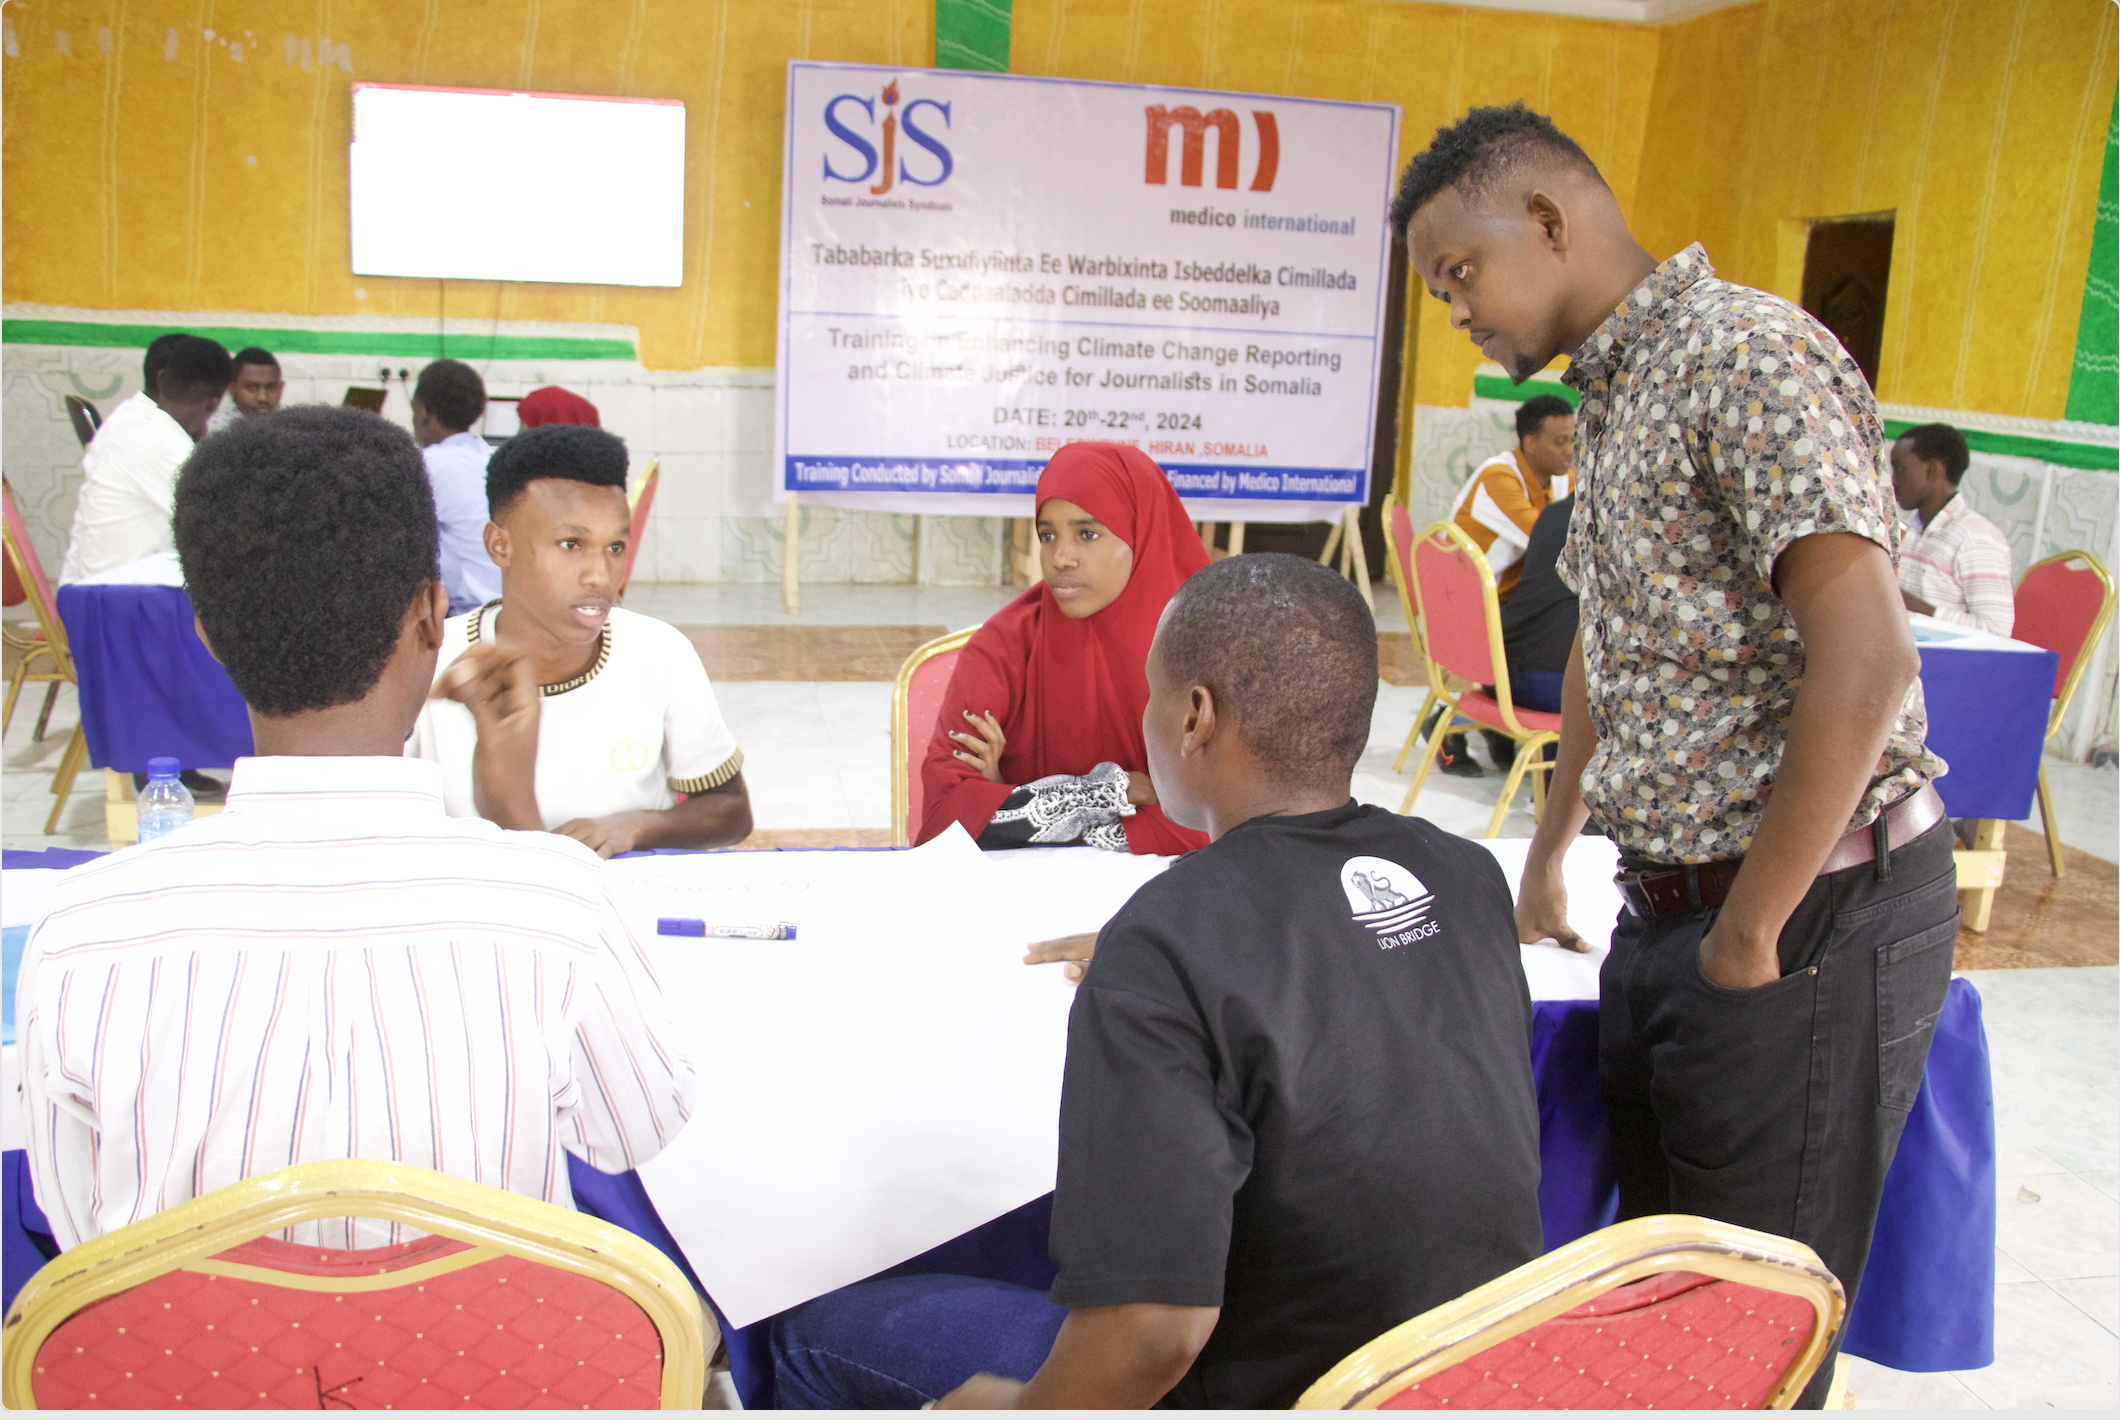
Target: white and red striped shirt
(1960, 564)
(329, 969)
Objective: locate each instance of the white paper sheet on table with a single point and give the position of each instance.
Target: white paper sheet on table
(891, 1079)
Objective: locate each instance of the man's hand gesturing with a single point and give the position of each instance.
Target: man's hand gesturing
(494, 680)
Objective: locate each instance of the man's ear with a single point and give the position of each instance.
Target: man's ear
(1202, 723)
(497, 545)
(1544, 210)
(200, 627)
(430, 609)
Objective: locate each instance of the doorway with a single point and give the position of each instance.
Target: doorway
(1847, 265)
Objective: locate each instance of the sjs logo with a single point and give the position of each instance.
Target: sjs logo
(1193, 125)
(851, 119)
(1388, 900)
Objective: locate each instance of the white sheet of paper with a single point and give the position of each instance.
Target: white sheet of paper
(891, 1079)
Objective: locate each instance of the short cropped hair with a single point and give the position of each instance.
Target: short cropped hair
(452, 392)
(195, 360)
(304, 538)
(1478, 150)
(1532, 414)
(252, 355)
(1941, 442)
(1289, 651)
(580, 452)
(157, 356)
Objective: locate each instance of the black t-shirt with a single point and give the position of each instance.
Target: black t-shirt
(1538, 620)
(1299, 1088)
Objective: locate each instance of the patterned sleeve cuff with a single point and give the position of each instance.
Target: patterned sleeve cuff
(713, 779)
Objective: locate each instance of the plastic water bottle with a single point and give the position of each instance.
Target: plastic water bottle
(165, 804)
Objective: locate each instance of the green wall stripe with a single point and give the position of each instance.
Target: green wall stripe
(1499, 387)
(2024, 446)
(972, 34)
(2094, 382)
(418, 346)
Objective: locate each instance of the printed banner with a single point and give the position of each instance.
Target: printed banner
(979, 268)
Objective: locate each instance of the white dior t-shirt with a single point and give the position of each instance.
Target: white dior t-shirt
(640, 727)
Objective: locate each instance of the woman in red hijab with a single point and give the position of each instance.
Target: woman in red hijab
(1040, 736)
(553, 405)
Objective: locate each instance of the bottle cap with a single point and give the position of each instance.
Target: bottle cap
(162, 767)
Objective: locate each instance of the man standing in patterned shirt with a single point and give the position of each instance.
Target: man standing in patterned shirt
(1791, 902)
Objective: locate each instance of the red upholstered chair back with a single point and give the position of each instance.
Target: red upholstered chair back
(642, 502)
(2063, 604)
(506, 1302)
(1655, 1313)
(1460, 616)
(916, 703)
(25, 570)
(434, 1324)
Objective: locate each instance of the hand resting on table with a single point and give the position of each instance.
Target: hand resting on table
(1075, 951)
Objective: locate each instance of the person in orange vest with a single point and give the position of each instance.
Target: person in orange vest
(1497, 508)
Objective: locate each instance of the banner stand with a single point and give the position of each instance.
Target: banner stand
(1346, 540)
(790, 558)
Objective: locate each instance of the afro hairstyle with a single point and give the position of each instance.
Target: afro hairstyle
(1474, 153)
(1533, 413)
(582, 453)
(196, 361)
(452, 392)
(1943, 443)
(304, 538)
(1289, 651)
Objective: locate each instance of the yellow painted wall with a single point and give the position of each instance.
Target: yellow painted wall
(1981, 123)
(128, 180)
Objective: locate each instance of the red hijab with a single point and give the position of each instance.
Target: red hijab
(553, 405)
(1069, 692)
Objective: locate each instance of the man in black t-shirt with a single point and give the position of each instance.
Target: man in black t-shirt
(1298, 1106)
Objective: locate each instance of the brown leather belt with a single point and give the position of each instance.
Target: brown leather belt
(1694, 887)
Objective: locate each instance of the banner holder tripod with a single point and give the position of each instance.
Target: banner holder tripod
(790, 556)
(1346, 540)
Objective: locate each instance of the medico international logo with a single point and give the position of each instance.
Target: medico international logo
(1388, 900)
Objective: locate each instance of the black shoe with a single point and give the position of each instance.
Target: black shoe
(1455, 757)
(1500, 748)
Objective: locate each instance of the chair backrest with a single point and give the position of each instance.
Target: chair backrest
(916, 703)
(26, 572)
(640, 501)
(85, 416)
(1461, 617)
(511, 1302)
(1657, 1313)
(2063, 604)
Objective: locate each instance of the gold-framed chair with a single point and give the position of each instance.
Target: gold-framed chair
(1652, 1313)
(198, 1307)
(2063, 603)
(48, 642)
(1398, 536)
(640, 500)
(916, 703)
(1461, 633)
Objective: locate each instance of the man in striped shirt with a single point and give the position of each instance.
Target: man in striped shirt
(332, 968)
(1955, 565)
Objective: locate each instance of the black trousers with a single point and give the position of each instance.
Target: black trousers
(1780, 1107)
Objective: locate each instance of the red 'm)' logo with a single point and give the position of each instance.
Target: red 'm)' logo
(1193, 152)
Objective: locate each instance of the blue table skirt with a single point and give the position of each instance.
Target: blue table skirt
(1987, 719)
(148, 684)
(1927, 1300)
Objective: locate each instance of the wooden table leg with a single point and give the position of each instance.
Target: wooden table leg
(1980, 872)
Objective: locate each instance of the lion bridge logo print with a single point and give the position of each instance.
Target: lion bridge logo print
(1388, 900)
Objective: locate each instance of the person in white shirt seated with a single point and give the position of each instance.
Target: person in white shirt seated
(334, 967)
(1954, 565)
(629, 721)
(447, 400)
(254, 392)
(129, 473)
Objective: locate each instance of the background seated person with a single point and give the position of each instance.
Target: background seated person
(1538, 626)
(1298, 1105)
(333, 968)
(447, 400)
(129, 473)
(255, 390)
(629, 721)
(1039, 739)
(1499, 508)
(1955, 564)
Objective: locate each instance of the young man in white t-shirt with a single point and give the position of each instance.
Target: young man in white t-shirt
(628, 721)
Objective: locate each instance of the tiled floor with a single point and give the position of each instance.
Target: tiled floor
(817, 748)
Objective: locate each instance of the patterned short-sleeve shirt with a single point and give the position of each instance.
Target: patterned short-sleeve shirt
(1718, 425)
